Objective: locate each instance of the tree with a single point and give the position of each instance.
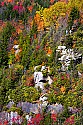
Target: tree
(5, 35)
(7, 14)
(74, 14)
(26, 50)
(24, 93)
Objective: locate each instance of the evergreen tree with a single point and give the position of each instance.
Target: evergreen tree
(6, 33)
(74, 14)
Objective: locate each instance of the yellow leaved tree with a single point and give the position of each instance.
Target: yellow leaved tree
(51, 14)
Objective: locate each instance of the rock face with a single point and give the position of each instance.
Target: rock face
(39, 78)
(68, 55)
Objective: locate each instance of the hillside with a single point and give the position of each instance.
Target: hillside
(41, 62)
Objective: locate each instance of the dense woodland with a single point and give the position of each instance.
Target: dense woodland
(37, 28)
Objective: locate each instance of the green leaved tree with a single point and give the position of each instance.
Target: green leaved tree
(5, 35)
